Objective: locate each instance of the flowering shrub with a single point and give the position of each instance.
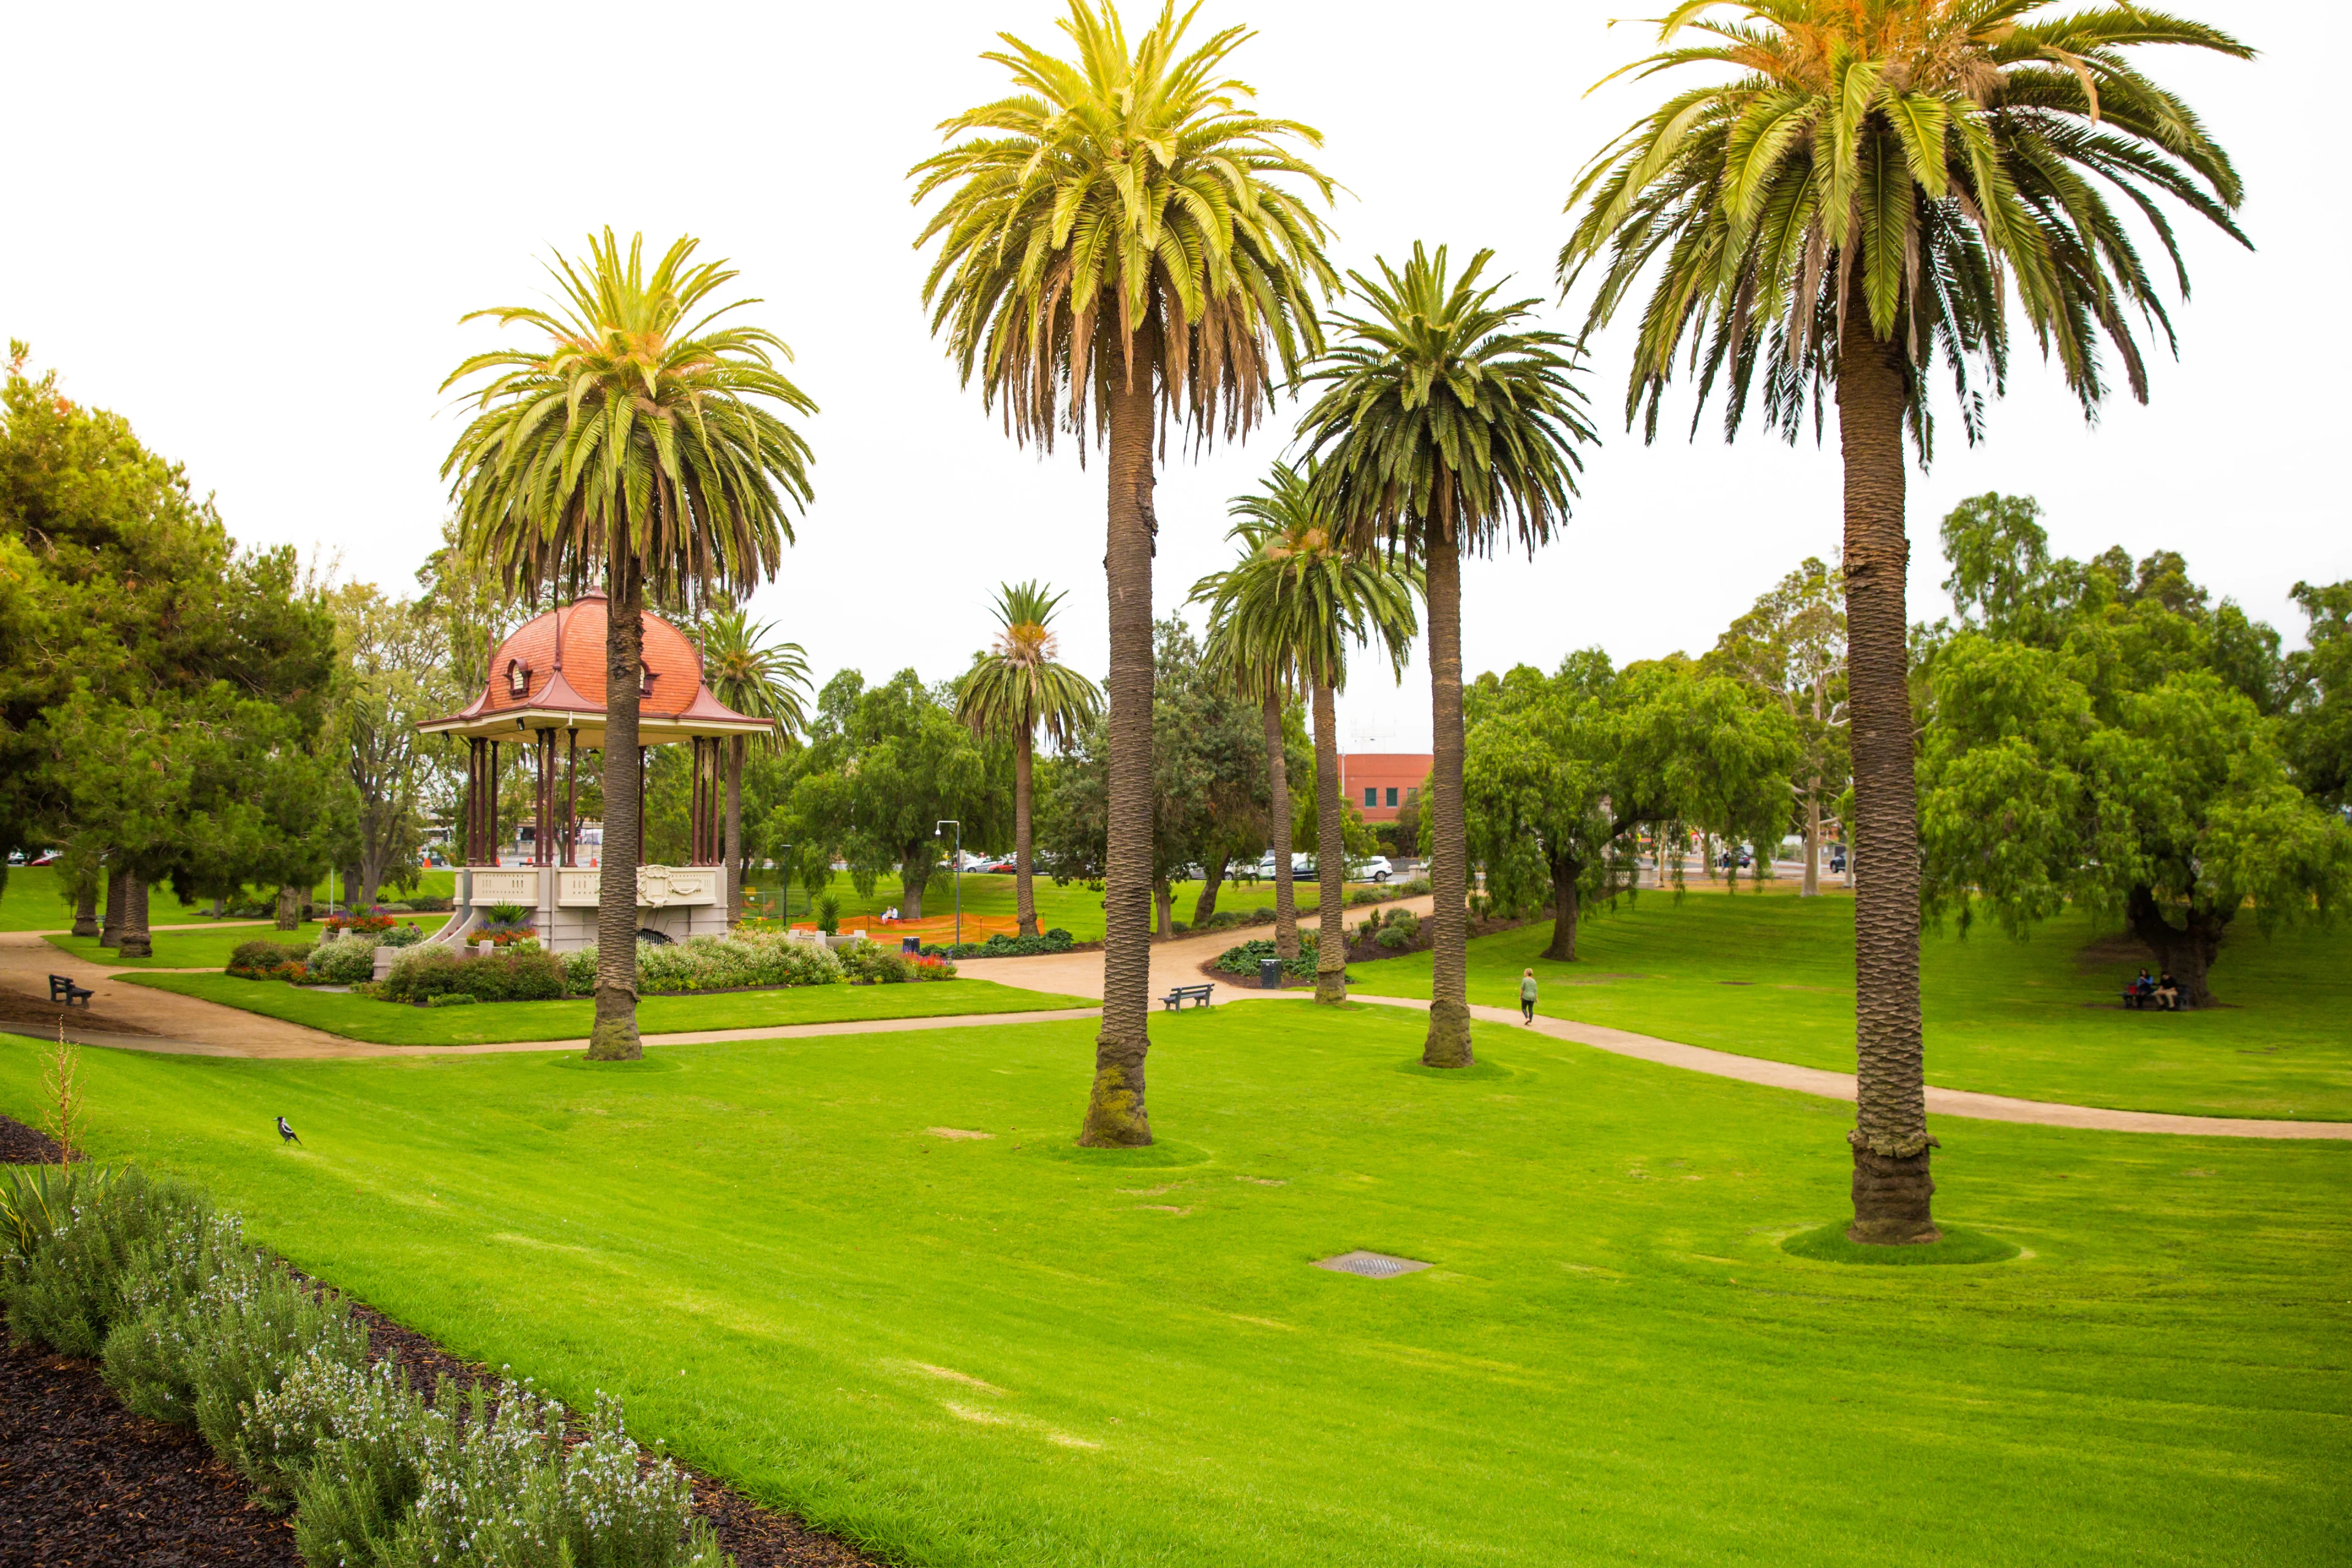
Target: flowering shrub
(63, 1279)
(741, 961)
(877, 965)
(344, 960)
(420, 975)
(369, 920)
(270, 960)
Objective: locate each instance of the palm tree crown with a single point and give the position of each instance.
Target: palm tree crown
(1018, 686)
(1443, 417)
(759, 679)
(633, 437)
(1119, 212)
(1917, 160)
(1285, 616)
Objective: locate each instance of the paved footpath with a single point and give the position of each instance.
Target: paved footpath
(188, 1025)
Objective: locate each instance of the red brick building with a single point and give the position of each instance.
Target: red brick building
(1378, 783)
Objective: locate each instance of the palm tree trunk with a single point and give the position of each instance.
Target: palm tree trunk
(1024, 894)
(1277, 787)
(1330, 855)
(110, 934)
(1814, 839)
(613, 1037)
(1116, 1112)
(86, 910)
(1892, 1184)
(732, 852)
(136, 943)
(1449, 837)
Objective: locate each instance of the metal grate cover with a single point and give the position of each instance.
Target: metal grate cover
(1371, 1265)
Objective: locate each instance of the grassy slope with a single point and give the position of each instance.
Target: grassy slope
(2035, 1019)
(396, 1024)
(981, 1352)
(198, 949)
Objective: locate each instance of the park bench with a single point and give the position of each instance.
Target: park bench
(63, 989)
(1174, 1001)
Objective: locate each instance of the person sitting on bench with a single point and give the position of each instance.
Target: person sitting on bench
(2167, 994)
(2136, 994)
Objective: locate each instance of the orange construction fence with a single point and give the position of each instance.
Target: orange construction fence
(930, 928)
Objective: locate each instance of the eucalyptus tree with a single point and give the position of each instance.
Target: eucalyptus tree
(1121, 250)
(1446, 421)
(1014, 689)
(636, 447)
(1862, 195)
(1293, 606)
(760, 680)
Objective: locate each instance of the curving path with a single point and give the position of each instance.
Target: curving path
(188, 1025)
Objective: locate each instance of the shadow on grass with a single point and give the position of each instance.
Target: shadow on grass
(1829, 1245)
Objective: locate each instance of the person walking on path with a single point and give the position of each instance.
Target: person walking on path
(1527, 997)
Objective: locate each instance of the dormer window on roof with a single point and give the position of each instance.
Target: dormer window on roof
(518, 678)
(646, 686)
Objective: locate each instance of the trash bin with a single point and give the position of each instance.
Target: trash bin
(911, 945)
(1269, 974)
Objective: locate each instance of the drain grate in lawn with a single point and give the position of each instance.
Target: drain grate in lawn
(1371, 1265)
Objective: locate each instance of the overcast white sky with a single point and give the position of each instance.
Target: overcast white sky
(252, 230)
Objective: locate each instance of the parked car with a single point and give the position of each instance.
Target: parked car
(1002, 865)
(1724, 858)
(46, 858)
(1837, 857)
(1375, 869)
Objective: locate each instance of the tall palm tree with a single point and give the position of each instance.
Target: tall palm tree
(759, 680)
(630, 448)
(1446, 422)
(1287, 614)
(1118, 251)
(1012, 689)
(1862, 197)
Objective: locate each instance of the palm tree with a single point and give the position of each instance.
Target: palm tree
(1444, 422)
(1285, 616)
(1864, 196)
(629, 447)
(1013, 688)
(1118, 251)
(761, 680)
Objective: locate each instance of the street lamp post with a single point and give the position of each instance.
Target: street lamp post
(958, 826)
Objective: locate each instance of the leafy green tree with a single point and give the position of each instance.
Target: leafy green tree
(760, 680)
(2090, 740)
(1012, 690)
(1790, 649)
(2319, 681)
(1120, 249)
(391, 672)
(1563, 770)
(638, 448)
(1444, 422)
(1862, 191)
(1287, 614)
(886, 765)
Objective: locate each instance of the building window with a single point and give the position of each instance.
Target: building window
(646, 687)
(518, 678)
(1371, 795)
(1392, 794)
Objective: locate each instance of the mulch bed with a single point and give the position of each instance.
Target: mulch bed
(84, 1483)
(37, 1014)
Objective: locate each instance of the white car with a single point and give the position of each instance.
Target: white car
(1375, 869)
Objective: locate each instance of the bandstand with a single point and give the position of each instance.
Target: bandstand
(545, 697)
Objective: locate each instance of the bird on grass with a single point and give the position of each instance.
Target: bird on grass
(287, 1132)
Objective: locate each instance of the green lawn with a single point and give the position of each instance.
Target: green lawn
(200, 948)
(30, 901)
(1074, 907)
(1772, 975)
(398, 1023)
(988, 1352)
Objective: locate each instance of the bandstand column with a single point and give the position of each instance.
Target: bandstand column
(571, 799)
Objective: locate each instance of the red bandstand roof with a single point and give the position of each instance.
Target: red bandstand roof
(549, 673)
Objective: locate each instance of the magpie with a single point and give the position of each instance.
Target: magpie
(287, 1132)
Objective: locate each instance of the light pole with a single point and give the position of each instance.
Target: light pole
(958, 826)
(785, 862)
